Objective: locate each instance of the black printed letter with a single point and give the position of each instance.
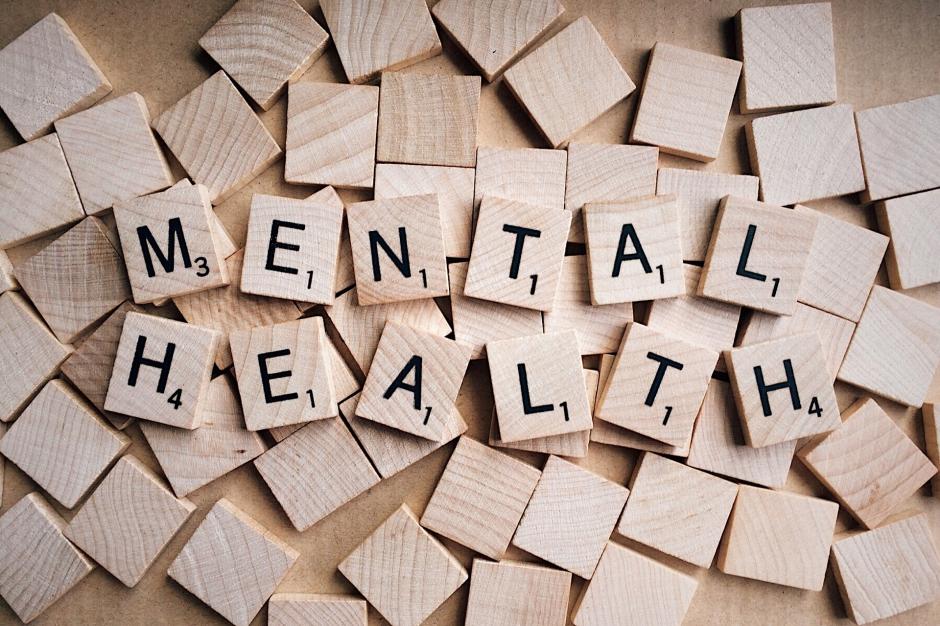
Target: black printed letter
(745, 253)
(267, 377)
(274, 245)
(521, 233)
(174, 234)
(664, 364)
(403, 263)
(163, 366)
(399, 383)
(527, 407)
(789, 383)
(629, 232)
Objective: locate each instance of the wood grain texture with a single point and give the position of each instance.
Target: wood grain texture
(517, 593)
(531, 175)
(345, 275)
(232, 563)
(931, 444)
(295, 609)
(47, 74)
(402, 571)
(3, 431)
(569, 81)
(8, 280)
(913, 224)
(223, 240)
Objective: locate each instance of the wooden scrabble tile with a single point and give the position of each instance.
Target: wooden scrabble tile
(217, 138)
(757, 256)
(563, 102)
(345, 381)
(232, 563)
(128, 520)
(480, 498)
(33, 579)
(428, 119)
(789, 57)
(517, 593)
(112, 153)
(778, 537)
(898, 143)
(315, 471)
(931, 443)
(570, 517)
(883, 572)
(37, 194)
(631, 589)
(696, 505)
(402, 571)
(538, 387)
(161, 370)
(657, 385)
(223, 241)
(48, 74)
(517, 256)
(606, 173)
(913, 224)
(76, 280)
(29, 354)
(62, 443)
(531, 175)
(805, 155)
(264, 45)
(495, 34)
(331, 132)
(376, 35)
(191, 459)
(633, 250)
(895, 350)
(698, 194)
(413, 382)
(8, 281)
(288, 609)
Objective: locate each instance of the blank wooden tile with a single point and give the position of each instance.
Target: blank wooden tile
(263, 45)
(895, 350)
(805, 155)
(398, 249)
(480, 498)
(75, 280)
(375, 35)
(284, 373)
(29, 354)
(657, 385)
(531, 175)
(428, 119)
(62, 443)
(288, 609)
(331, 132)
(315, 471)
(883, 572)
(931, 443)
(517, 254)
(217, 138)
(698, 194)
(161, 370)
(48, 74)
(633, 590)
(112, 153)
(538, 387)
(517, 593)
(778, 537)
(899, 147)
(570, 517)
(561, 99)
(789, 56)
(37, 195)
(757, 256)
(913, 224)
(8, 280)
(232, 563)
(402, 571)
(33, 579)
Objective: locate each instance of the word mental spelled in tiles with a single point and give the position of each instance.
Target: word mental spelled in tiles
(511, 592)
(569, 81)
(685, 101)
(913, 224)
(288, 609)
(757, 256)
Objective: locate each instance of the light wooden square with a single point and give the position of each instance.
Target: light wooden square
(932, 444)
(232, 563)
(49, 75)
(402, 571)
(531, 175)
(778, 537)
(561, 99)
(789, 57)
(480, 498)
(62, 443)
(805, 155)
(757, 256)
(517, 593)
(264, 44)
(185, 370)
(412, 264)
(331, 134)
(289, 609)
(217, 138)
(538, 387)
(375, 35)
(913, 224)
